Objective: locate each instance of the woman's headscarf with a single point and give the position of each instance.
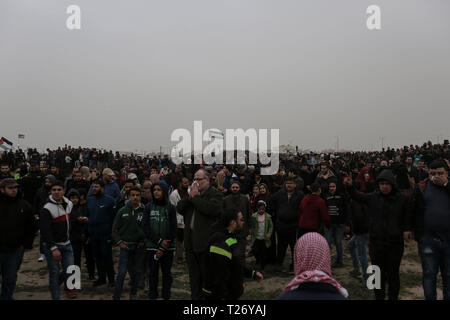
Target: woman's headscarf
(312, 263)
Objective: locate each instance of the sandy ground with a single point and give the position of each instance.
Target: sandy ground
(32, 281)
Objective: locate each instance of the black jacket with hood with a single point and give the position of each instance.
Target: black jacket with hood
(166, 228)
(388, 215)
(16, 223)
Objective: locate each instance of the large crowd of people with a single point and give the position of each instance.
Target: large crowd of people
(83, 201)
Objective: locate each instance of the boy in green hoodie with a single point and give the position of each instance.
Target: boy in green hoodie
(261, 226)
(160, 228)
(127, 233)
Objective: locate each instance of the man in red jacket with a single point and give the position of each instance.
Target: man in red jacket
(313, 212)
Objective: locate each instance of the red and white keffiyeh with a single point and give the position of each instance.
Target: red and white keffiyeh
(312, 263)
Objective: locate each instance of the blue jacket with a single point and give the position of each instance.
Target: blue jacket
(111, 189)
(101, 212)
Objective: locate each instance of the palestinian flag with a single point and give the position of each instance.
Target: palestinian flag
(5, 144)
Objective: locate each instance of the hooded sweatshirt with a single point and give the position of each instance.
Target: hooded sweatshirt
(389, 215)
(160, 220)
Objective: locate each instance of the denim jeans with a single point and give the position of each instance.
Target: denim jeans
(435, 255)
(102, 251)
(166, 267)
(9, 266)
(55, 277)
(335, 235)
(129, 260)
(357, 247)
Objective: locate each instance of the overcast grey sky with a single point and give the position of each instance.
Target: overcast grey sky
(137, 70)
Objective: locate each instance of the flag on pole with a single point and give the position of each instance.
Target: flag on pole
(5, 144)
(21, 136)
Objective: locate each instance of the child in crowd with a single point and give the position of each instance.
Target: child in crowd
(261, 231)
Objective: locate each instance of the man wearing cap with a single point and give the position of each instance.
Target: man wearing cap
(16, 234)
(111, 187)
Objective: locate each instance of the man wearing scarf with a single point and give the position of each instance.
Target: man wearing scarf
(312, 266)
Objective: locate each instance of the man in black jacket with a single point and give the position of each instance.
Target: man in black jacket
(390, 223)
(31, 183)
(200, 211)
(431, 201)
(16, 234)
(286, 203)
(225, 279)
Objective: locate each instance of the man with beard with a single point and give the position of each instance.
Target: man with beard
(16, 234)
(200, 210)
(182, 192)
(110, 185)
(4, 171)
(226, 267)
(238, 202)
(101, 208)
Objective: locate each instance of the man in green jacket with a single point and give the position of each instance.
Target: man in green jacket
(200, 211)
(127, 233)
